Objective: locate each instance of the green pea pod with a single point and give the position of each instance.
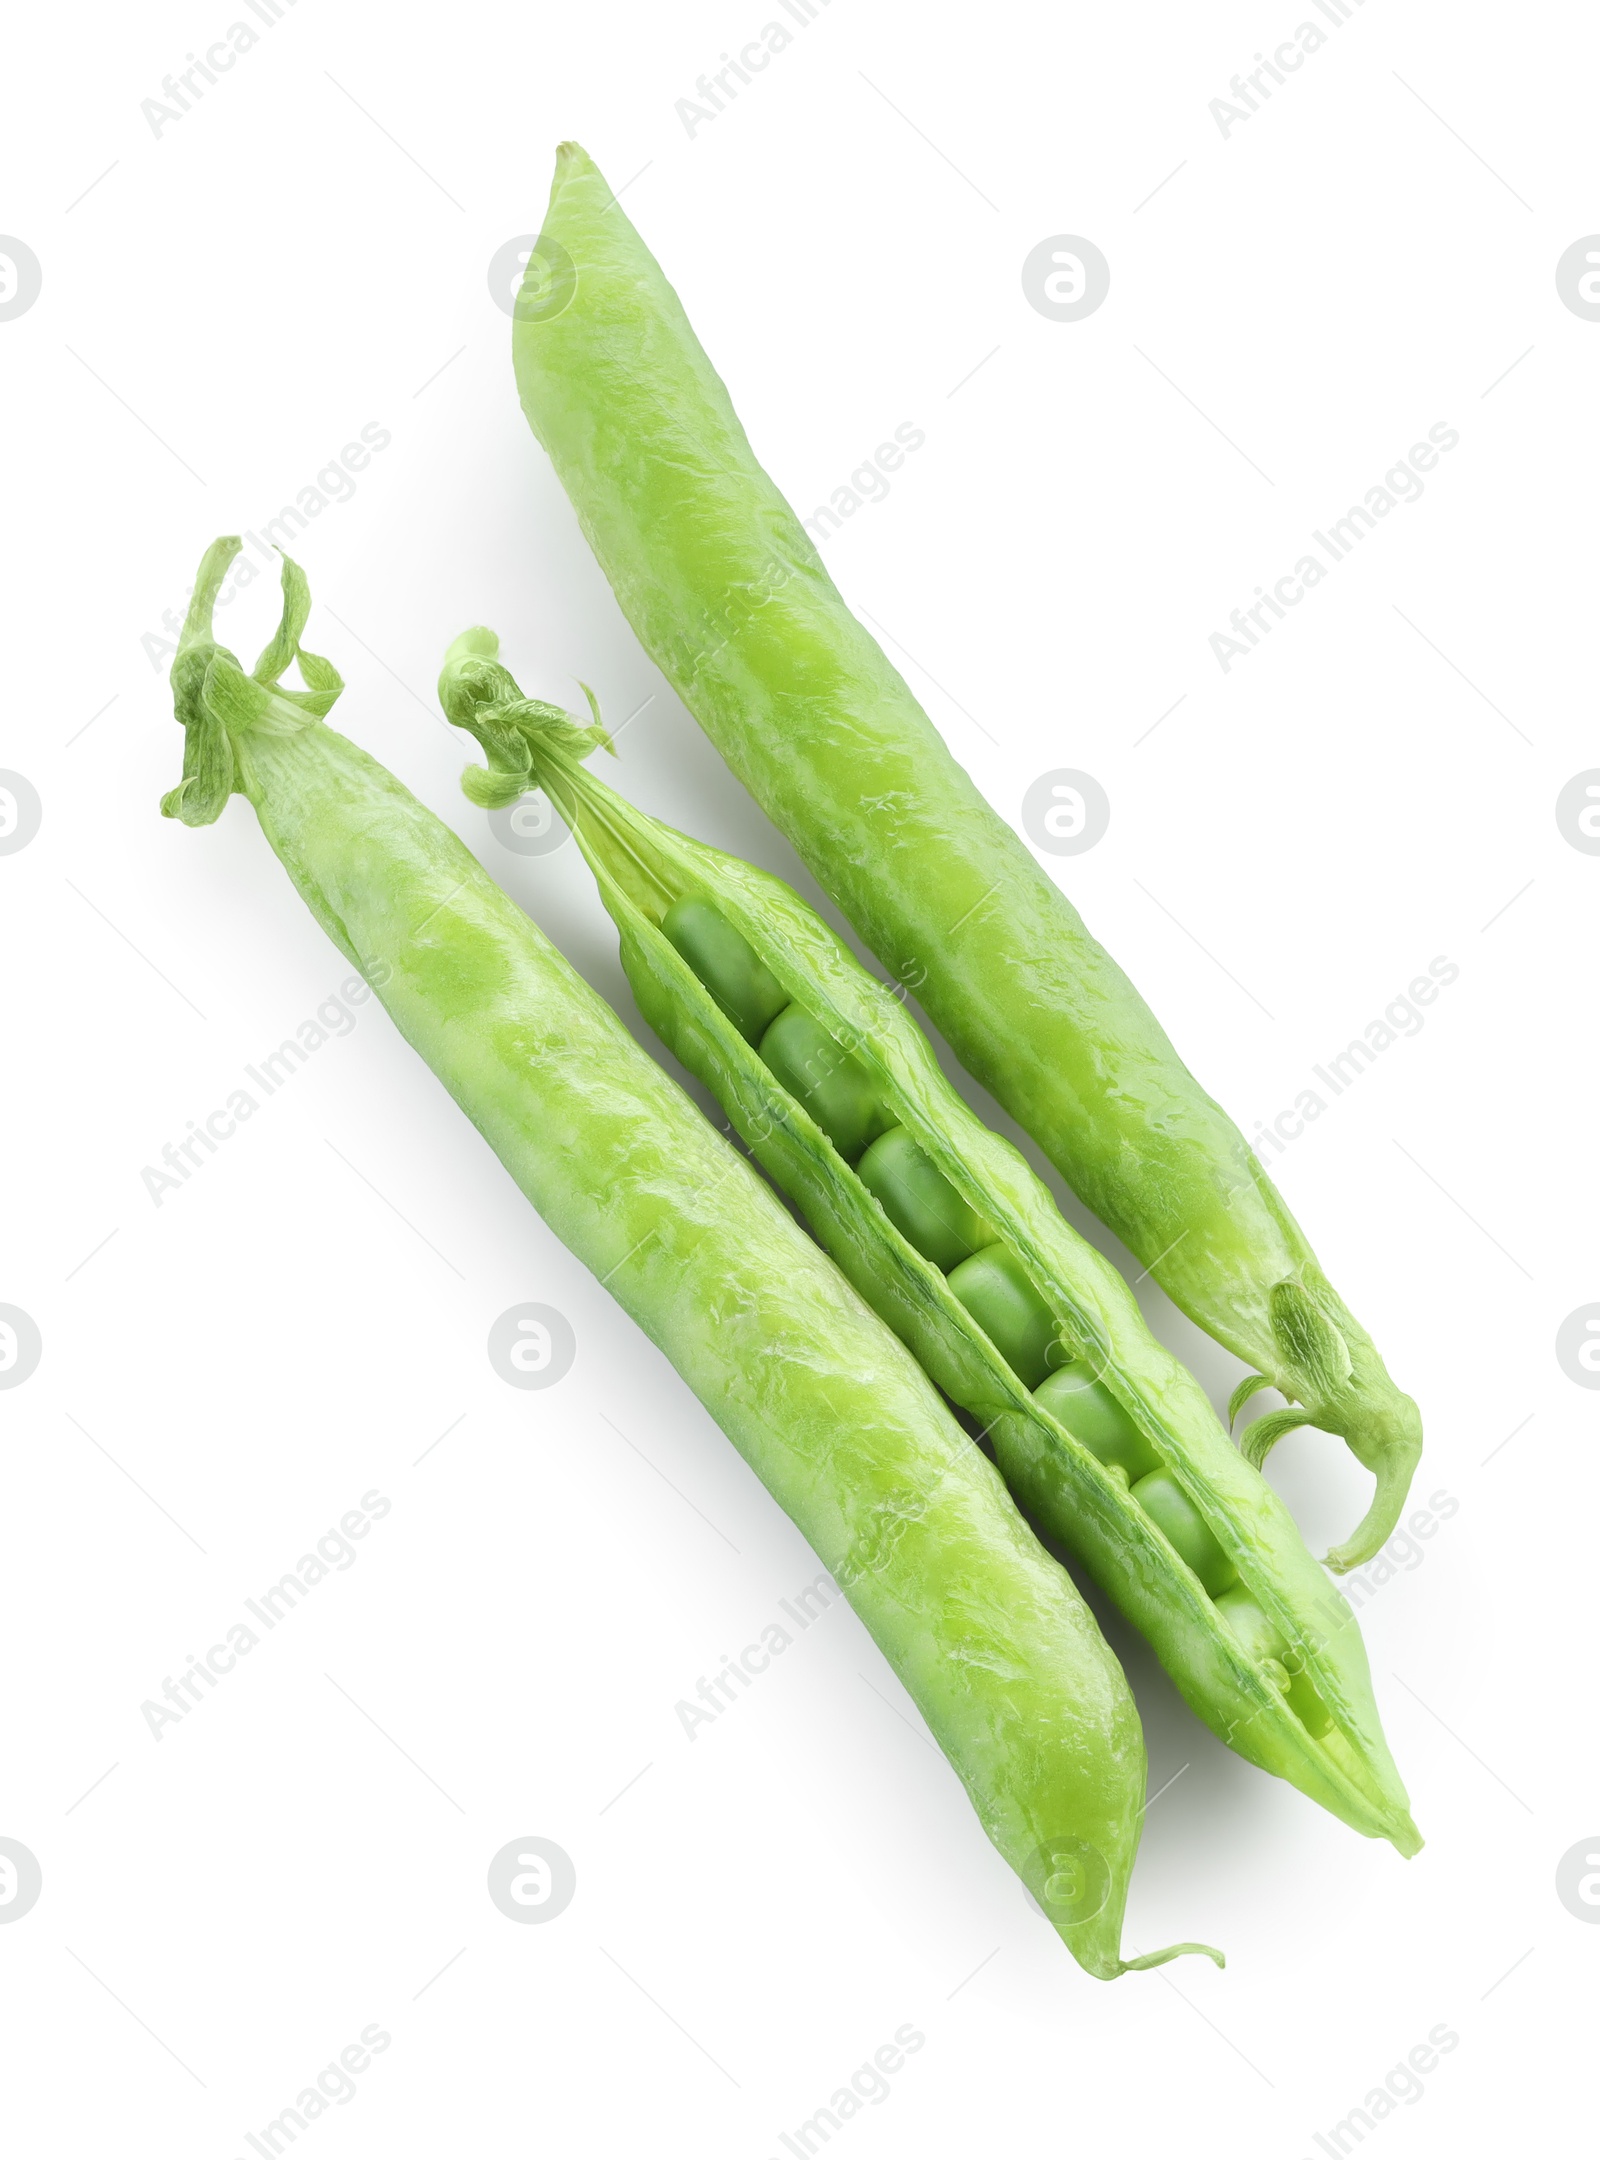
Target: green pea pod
(984, 1628)
(1280, 1674)
(732, 601)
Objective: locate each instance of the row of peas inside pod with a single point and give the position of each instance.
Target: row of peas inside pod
(984, 1274)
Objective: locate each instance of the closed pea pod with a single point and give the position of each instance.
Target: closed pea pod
(732, 601)
(1106, 1440)
(984, 1629)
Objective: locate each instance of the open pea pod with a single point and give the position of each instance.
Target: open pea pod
(1106, 1440)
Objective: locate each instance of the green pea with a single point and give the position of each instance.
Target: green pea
(1173, 1512)
(746, 989)
(1252, 1626)
(835, 1087)
(995, 1289)
(920, 1201)
(1092, 1414)
(1258, 1635)
(1309, 1707)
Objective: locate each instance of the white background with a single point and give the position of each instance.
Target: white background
(224, 1375)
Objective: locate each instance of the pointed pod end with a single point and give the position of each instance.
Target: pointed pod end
(582, 214)
(1406, 1838)
(574, 169)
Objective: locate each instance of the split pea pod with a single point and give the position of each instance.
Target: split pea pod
(985, 1629)
(1106, 1440)
(731, 600)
